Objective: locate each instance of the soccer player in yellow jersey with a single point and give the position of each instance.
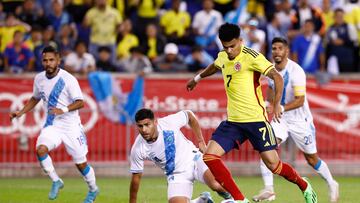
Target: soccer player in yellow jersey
(241, 68)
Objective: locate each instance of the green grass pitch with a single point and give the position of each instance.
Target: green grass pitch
(153, 190)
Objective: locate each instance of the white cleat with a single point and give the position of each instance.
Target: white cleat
(264, 195)
(334, 192)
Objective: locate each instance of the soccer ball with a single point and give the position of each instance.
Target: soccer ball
(228, 201)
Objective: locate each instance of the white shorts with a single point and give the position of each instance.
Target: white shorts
(302, 132)
(181, 184)
(73, 138)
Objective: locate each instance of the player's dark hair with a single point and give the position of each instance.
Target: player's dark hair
(228, 32)
(144, 114)
(280, 40)
(50, 49)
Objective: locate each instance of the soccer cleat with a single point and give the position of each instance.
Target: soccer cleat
(309, 193)
(91, 196)
(235, 201)
(334, 192)
(243, 201)
(55, 187)
(206, 197)
(264, 195)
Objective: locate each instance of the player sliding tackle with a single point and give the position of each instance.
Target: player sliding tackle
(241, 68)
(162, 142)
(62, 97)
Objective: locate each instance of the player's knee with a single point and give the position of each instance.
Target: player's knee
(271, 164)
(42, 151)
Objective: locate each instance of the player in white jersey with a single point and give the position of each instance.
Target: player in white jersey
(162, 142)
(296, 121)
(62, 97)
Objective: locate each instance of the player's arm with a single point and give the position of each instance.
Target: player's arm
(294, 104)
(28, 107)
(279, 86)
(195, 126)
(208, 71)
(134, 186)
(77, 104)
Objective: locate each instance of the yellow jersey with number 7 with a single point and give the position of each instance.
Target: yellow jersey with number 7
(241, 75)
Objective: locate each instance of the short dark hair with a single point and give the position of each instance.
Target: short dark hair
(136, 49)
(339, 10)
(80, 41)
(309, 21)
(144, 114)
(50, 49)
(104, 48)
(228, 32)
(280, 40)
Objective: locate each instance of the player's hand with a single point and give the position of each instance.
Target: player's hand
(277, 110)
(269, 109)
(191, 84)
(202, 147)
(15, 114)
(55, 111)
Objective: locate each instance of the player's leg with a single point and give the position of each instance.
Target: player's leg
(88, 174)
(322, 169)
(204, 175)
(304, 137)
(180, 187)
(268, 193)
(263, 140)
(75, 143)
(48, 140)
(223, 140)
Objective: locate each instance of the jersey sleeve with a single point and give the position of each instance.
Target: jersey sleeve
(178, 120)
(74, 89)
(36, 91)
(219, 60)
(136, 159)
(299, 82)
(261, 64)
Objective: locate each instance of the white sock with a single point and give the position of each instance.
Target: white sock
(48, 167)
(323, 170)
(267, 176)
(89, 177)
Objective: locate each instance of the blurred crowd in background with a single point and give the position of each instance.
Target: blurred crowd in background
(174, 35)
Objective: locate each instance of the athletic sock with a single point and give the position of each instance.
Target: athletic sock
(48, 167)
(267, 176)
(289, 173)
(89, 177)
(222, 175)
(323, 170)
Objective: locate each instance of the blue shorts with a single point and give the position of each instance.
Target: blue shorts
(230, 135)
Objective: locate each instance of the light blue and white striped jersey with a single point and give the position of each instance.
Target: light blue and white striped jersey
(172, 151)
(59, 91)
(294, 77)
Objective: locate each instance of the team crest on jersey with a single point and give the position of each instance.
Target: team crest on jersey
(237, 66)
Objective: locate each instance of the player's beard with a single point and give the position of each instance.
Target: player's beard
(51, 71)
(278, 59)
